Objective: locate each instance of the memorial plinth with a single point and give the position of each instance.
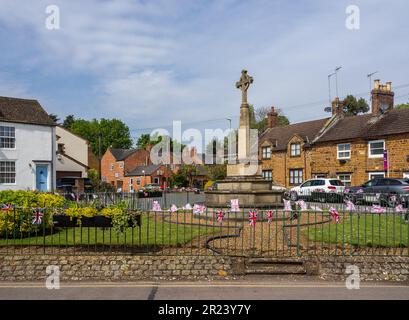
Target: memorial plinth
(244, 180)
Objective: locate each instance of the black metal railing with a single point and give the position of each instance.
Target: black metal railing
(332, 224)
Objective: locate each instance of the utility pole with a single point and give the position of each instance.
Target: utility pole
(99, 154)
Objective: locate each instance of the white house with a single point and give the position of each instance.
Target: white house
(74, 155)
(27, 146)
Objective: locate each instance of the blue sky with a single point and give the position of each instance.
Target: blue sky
(151, 62)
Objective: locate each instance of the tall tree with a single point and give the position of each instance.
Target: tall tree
(114, 132)
(68, 121)
(258, 118)
(353, 107)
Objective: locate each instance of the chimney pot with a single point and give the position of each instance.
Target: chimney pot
(272, 118)
(376, 84)
(382, 98)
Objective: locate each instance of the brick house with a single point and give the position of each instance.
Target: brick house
(349, 148)
(137, 178)
(115, 163)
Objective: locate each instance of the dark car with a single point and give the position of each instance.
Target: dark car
(388, 191)
(67, 184)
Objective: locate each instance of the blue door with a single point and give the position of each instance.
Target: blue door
(42, 177)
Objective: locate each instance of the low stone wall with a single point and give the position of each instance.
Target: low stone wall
(113, 268)
(371, 268)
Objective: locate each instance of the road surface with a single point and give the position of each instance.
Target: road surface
(258, 288)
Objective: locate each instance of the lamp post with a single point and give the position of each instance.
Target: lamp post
(99, 154)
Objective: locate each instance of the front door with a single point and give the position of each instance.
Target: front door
(42, 177)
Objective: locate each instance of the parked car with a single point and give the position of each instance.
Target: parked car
(319, 190)
(152, 187)
(386, 191)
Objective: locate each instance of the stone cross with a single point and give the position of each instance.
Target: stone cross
(244, 84)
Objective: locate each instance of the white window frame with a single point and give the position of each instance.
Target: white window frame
(5, 148)
(266, 152)
(370, 155)
(15, 174)
(343, 151)
(406, 175)
(376, 173)
(111, 167)
(346, 182)
(130, 184)
(138, 182)
(295, 154)
(156, 180)
(320, 176)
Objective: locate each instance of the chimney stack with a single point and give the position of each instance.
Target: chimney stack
(382, 98)
(272, 118)
(337, 107)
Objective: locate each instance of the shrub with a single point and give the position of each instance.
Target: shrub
(31, 199)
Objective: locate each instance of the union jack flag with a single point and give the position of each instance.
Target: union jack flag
(156, 206)
(37, 216)
(378, 209)
(350, 206)
(334, 214)
(234, 205)
(220, 216)
(269, 216)
(287, 205)
(6, 207)
(199, 209)
(303, 205)
(252, 218)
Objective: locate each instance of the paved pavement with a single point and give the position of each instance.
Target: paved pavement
(258, 288)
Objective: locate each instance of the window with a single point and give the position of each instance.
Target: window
(111, 167)
(121, 165)
(406, 175)
(320, 176)
(376, 175)
(295, 149)
(7, 172)
(7, 137)
(376, 149)
(138, 182)
(345, 179)
(156, 180)
(344, 151)
(266, 152)
(316, 183)
(296, 176)
(307, 184)
(131, 185)
(268, 175)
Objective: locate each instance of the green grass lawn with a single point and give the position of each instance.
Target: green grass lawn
(150, 233)
(368, 230)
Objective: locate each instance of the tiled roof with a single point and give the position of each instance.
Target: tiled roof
(121, 154)
(23, 111)
(367, 126)
(281, 135)
(143, 170)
